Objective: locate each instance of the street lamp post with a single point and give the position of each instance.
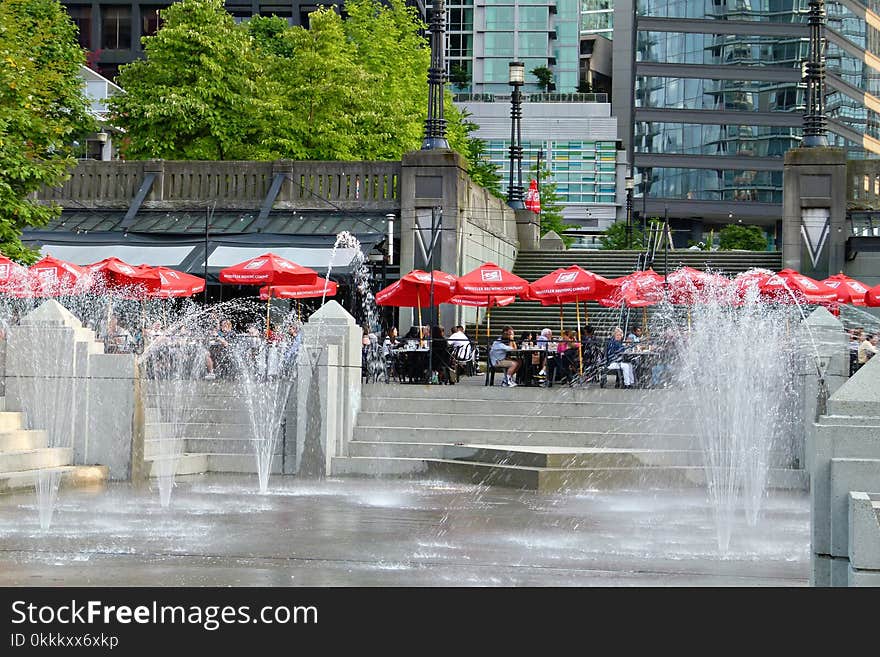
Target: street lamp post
(814, 118)
(435, 124)
(515, 191)
(630, 183)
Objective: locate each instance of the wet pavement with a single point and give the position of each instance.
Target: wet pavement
(220, 531)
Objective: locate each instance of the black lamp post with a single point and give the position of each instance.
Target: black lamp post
(630, 184)
(515, 191)
(814, 72)
(435, 124)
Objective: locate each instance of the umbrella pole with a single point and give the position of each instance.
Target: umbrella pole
(419, 303)
(586, 314)
(268, 301)
(577, 310)
(644, 320)
(561, 327)
(689, 319)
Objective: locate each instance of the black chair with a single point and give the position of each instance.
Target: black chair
(490, 372)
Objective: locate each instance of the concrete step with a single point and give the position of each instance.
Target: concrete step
(543, 456)
(234, 415)
(546, 479)
(35, 459)
(476, 436)
(538, 421)
(72, 475)
(22, 439)
(156, 430)
(11, 420)
(153, 447)
(849, 420)
(649, 398)
(529, 457)
(202, 463)
(483, 408)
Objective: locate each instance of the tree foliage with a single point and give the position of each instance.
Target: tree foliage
(459, 77)
(746, 238)
(551, 210)
(615, 237)
(545, 78)
(201, 92)
(42, 111)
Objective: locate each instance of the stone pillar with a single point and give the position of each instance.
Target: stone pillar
(528, 229)
(289, 187)
(332, 387)
(476, 225)
(84, 399)
(826, 341)
(157, 190)
(843, 453)
(814, 211)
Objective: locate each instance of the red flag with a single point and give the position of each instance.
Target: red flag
(533, 197)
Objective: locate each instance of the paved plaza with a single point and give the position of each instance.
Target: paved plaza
(220, 531)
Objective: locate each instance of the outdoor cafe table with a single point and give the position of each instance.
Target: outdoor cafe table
(642, 360)
(411, 363)
(529, 368)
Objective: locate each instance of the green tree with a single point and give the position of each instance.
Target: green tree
(551, 209)
(584, 87)
(746, 238)
(615, 237)
(200, 94)
(545, 78)
(459, 77)
(42, 110)
(319, 87)
(481, 169)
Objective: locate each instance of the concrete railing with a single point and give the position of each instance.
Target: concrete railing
(863, 184)
(231, 184)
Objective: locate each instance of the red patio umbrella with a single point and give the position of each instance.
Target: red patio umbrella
(688, 285)
(53, 277)
(12, 275)
(848, 289)
(788, 286)
(268, 269)
(490, 279)
(637, 290)
(322, 287)
(481, 301)
(414, 289)
(119, 274)
(174, 284)
(872, 297)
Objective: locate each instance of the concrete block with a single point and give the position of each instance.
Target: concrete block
(848, 475)
(839, 572)
(864, 531)
(820, 571)
(860, 394)
(819, 451)
(863, 577)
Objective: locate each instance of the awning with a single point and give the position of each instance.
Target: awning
(187, 253)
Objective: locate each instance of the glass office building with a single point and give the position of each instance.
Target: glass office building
(484, 36)
(715, 98)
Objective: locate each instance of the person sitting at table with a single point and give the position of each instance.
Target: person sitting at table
(499, 356)
(390, 341)
(543, 342)
(526, 338)
(220, 348)
(458, 337)
(592, 348)
(635, 335)
(441, 363)
(614, 357)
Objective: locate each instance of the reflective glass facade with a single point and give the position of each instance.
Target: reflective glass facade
(597, 17)
(484, 36)
(584, 170)
(699, 62)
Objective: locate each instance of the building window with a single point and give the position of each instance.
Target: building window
(81, 15)
(151, 21)
(115, 28)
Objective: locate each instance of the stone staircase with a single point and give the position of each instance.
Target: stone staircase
(531, 265)
(532, 438)
(24, 452)
(216, 436)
